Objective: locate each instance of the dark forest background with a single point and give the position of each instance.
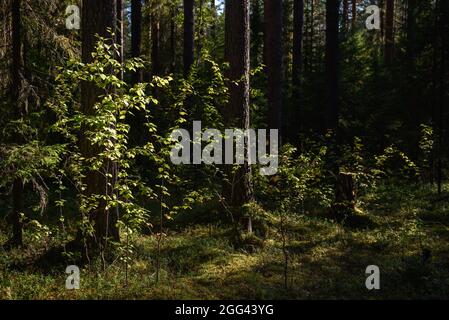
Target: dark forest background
(85, 171)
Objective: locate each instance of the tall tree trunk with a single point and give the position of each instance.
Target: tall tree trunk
(345, 13)
(298, 23)
(121, 33)
(443, 12)
(237, 54)
(389, 32)
(332, 55)
(445, 58)
(201, 28)
(136, 35)
(17, 70)
(310, 63)
(382, 19)
(256, 31)
(98, 16)
(189, 35)
(17, 197)
(287, 48)
(173, 13)
(155, 46)
(273, 47)
(344, 187)
(354, 13)
(411, 31)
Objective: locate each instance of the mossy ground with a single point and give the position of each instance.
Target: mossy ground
(408, 240)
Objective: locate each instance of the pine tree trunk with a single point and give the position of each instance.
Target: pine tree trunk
(298, 23)
(332, 66)
(354, 13)
(136, 35)
(273, 53)
(311, 35)
(389, 33)
(345, 13)
(189, 35)
(17, 197)
(173, 14)
(256, 30)
(411, 32)
(332, 86)
(202, 30)
(237, 54)
(98, 16)
(382, 19)
(155, 46)
(17, 69)
(443, 12)
(286, 52)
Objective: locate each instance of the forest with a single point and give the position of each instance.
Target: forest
(224, 149)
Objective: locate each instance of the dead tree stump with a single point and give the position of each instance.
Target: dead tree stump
(345, 196)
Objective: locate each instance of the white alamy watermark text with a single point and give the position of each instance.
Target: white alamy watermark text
(234, 146)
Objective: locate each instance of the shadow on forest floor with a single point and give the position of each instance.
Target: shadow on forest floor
(408, 241)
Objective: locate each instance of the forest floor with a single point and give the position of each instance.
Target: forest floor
(408, 240)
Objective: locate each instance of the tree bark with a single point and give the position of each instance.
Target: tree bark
(382, 19)
(201, 33)
(173, 13)
(155, 46)
(98, 16)
(136, 35)
(411, 31)
(332, 66)
(121, 33)
(443, 8)
(310, 63)
(345, 13)
(389, 32)
(237, 54)
(354, 13)
(298, 23)
(273, 53)
(256, 31)
(17, 69)
(189, 35)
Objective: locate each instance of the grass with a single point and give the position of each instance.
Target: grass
(408, 241)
